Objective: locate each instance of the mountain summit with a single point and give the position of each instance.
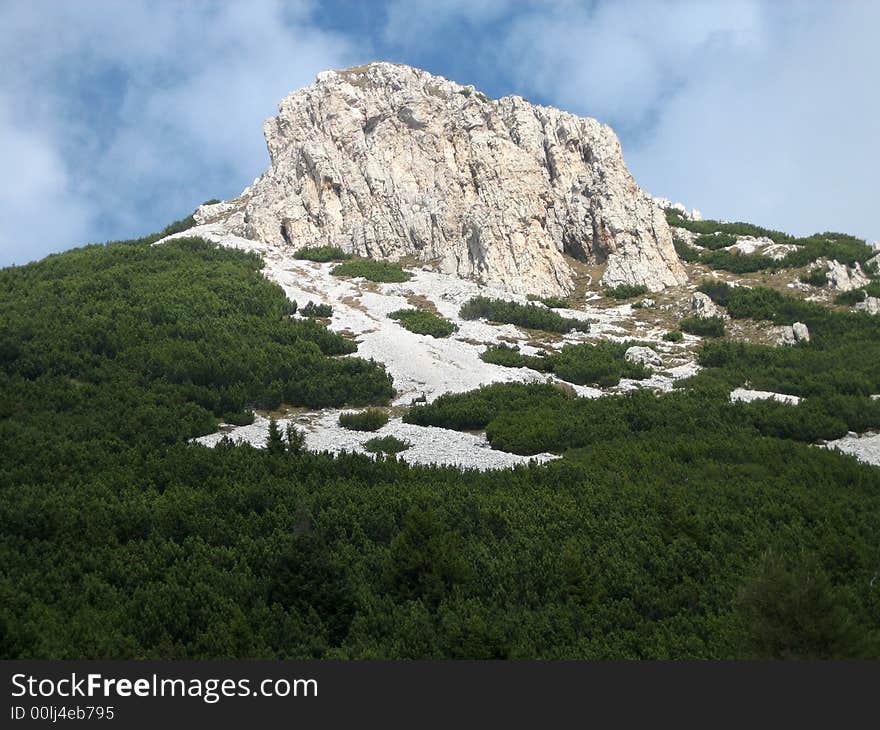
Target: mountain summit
(388, 161)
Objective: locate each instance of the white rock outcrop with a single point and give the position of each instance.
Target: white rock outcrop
(844, 278)
(391, 162)
(693, 214)
(703, 306)
(800, 332)
(643, 355)
(871, 305)
(745, 395)
(792, 334)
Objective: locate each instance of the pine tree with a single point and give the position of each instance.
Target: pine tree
(275, 442)
(296, 439)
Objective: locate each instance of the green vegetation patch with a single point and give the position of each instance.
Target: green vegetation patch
(552, 302)
(186, 329)
(715, 235)
(531, 419)
(422, 322)
(529, 316)
(843, 355)
(386, 445)
(673, 336)
(509, 356)
(316, 310)
(685, 251)
(378, 271)
(703, 326)
(322, 254)
(714, 241)
(708, 227)
(371, 419)
(626, 291)
(602, 364)
(817, 276)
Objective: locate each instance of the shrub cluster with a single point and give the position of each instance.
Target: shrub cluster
(686, 252)
(817, 276)
(378, 271)
(317, 310)
(529, 316)
(714, 241)
(371, 419)
(386, 445)
(472, 411)
(602, 364)
(551, 302)
(187, 325)
(509, 356)
(703, 326)
(626, 291)
(676, 219)
(422, 322)
(843, 355)
(322, 254)
(532, 419)
(854, 296)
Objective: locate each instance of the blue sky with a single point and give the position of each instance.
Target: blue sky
(117, 117)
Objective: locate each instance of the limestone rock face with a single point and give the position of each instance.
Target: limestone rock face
(388, 161)
(843, 278)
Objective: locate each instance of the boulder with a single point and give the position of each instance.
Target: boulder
(792, 334)
(800, 332)
(871, 305)
(703, 306)
(643, 355)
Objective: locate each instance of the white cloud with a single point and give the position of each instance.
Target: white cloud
(762, 111)
(35, 195)
(617, 60)
(133, 112)
(785, 134)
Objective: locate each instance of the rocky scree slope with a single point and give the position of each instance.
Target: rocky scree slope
(390, 162)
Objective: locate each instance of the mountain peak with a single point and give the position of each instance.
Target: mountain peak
(390, 161)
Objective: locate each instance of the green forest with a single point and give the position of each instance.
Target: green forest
(673, 526)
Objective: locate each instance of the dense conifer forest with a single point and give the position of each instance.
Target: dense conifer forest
(673, 526)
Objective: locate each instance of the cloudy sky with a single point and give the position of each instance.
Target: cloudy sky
(118, 116)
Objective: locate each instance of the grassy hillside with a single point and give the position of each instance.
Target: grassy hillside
(674, 526)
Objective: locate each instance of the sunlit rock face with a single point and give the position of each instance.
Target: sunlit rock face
(388, 161)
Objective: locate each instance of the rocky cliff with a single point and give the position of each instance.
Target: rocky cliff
(388, 161)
